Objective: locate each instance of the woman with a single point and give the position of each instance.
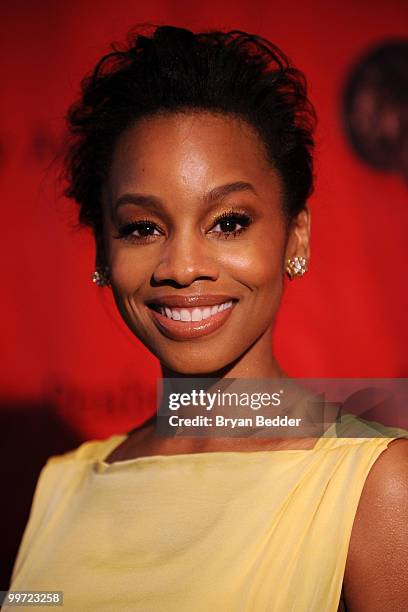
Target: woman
(191, 160)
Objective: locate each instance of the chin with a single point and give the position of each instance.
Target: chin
(197, 362)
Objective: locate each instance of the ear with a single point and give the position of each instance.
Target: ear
(298, 243)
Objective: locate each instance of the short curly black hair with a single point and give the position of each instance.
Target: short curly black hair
(166, 69)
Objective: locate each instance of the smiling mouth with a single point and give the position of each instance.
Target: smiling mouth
(196, 317)
(186, 315)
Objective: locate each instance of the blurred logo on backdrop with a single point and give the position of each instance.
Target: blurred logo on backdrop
(375, 107)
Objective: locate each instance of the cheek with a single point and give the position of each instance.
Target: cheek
(130, 273)
(258, 266)
(129, 270)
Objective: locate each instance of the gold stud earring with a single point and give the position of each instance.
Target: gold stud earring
(101, 277)
(296, 266)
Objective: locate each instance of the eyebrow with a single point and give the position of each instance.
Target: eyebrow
(221, 192)
(218, 193)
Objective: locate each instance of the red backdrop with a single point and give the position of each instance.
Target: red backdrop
(70, 368)
(64, 343)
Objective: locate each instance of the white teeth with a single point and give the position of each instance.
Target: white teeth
(185, 314)
(197, 315)
(194, 314)
(206, 313)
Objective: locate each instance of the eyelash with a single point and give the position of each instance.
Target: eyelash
(239, 218)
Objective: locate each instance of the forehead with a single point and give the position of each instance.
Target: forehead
(190, 151)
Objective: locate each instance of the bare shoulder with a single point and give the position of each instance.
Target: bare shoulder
(376, 576)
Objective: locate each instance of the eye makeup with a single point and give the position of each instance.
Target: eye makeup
(228, 220)
(230, 223)
(145, 228)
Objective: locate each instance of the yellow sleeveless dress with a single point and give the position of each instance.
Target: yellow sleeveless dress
(253, 531)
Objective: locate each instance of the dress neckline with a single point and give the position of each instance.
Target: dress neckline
(114, 441)
(331, 437)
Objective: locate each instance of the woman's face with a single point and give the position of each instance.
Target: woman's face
(196, 240)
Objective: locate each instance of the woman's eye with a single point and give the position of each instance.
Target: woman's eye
(231, 225)
(227, 225)
(138, 231)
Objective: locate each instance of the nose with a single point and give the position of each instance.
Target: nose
(185, 259)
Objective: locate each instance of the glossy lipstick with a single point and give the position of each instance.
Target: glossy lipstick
(192, 316)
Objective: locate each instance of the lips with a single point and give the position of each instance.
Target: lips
(188, 317)
(186, 301)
